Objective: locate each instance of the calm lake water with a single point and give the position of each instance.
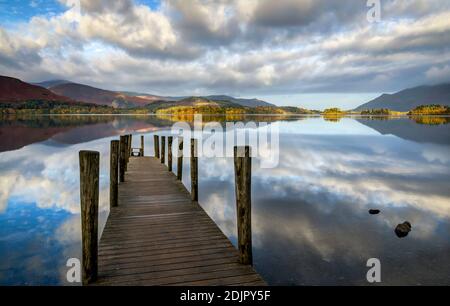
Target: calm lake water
(311, 224)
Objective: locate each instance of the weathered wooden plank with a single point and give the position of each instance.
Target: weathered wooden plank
(137, 262)
(120, 227)
(215, 277)
(203, 230)
(154, 274)
(162, 235)
(226, 281)
(155, 241)
(157, 236)
(130, 268)
(173, 246)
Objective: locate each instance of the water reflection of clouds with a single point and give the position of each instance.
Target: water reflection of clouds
(400, 176)
(49, 176)
(29, 249)
(310, 214)
(43, 181)
(319, 126)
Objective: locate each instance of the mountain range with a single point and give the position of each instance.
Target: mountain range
(117, 99)
(88, 94)
(14, 91)
(48, 84)
(409, 99)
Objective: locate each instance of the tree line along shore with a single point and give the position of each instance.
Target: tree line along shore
(45, 107)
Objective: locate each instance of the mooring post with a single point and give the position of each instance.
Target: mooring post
(114, 174)
(169, 153)
(156, 145)
(142, 146)
(180, 159)
(89, 193)
(122, 158)
(243, 175)
(126, 155)
(163, 149)
(194, 170)
(130, 142)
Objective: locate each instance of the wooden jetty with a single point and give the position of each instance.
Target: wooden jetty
(156, 232)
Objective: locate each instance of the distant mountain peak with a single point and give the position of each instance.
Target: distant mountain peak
(15, 90)
(90, 94)
(50, 83)
(243, 102)
(410, 98)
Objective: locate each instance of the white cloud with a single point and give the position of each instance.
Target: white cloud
(439, 73)
(244, 47)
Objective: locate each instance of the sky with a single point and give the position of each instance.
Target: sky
(309, 53)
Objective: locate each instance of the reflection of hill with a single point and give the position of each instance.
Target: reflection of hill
(411, 130)
(118, 125)
(15, 136)
(17, 132)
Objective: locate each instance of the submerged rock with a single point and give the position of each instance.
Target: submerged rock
(402, 230)
(374, 211)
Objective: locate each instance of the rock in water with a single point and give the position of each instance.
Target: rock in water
(402, 230)
(374, 211)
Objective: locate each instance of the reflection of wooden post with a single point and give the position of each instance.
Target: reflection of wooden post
(169, 153)
(89, 190)
(114, 174)
(163, 149)
(122, 158)
(194, 170)
(243, 175)
(180, 159)
(156, 145)
(142, 145)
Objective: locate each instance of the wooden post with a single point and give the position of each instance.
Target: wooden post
(142, 145)
(130, 143)
(194, 170)
(126, 155)
(163, 149)
(180, 159)
(243, 175)
(114, 174)
(122, 158)
(89, 193)
(169, 153)
(156, 145)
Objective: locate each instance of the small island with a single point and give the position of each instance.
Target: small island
(428, 110)
(334, 111)
(381, 112)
